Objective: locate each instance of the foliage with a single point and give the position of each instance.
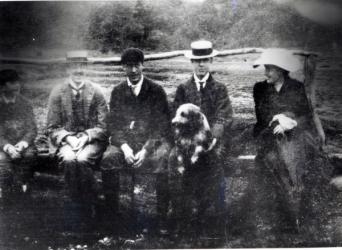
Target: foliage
(160, 25)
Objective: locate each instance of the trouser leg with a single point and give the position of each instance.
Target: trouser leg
(113, 160)
(78, 170)
(162, 191)
(111, 188)
(159, 161)
(24, 166)
(6, 175)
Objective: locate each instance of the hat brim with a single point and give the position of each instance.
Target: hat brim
(279, 58)
(189, 55)
(288, 67)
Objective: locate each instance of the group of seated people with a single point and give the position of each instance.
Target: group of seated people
(137, 132)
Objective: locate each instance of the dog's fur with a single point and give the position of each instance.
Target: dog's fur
(192, 133)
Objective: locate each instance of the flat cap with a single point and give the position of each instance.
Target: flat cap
(132, 55)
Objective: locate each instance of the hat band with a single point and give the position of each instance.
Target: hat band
(202, 52)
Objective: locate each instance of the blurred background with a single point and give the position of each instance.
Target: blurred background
(44, 28)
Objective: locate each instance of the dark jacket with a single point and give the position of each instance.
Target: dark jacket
(60, 113)
(17, 122)
(214, 102)
(291, 100)
(138, 121)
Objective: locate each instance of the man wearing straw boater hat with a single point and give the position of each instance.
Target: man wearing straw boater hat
(204, 91)
(212, 98)
(17, 133)
(76, 127)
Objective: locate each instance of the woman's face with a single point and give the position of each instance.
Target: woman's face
(273, 74)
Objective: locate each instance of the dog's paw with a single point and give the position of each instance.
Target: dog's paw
(194, 159)
(180, 169)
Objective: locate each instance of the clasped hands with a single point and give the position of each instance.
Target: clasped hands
(136, 160)
(285, 124)
(15, 151)
(77, 141)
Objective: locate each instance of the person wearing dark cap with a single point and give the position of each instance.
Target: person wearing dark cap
(76, 128)
(139, 126)
(213, 99)
(17, 133)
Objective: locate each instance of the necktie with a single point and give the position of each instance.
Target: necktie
(201, 86)
(78, 94)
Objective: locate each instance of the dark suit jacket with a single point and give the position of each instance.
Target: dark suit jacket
(60, 113)
(214, 103)
(17, 122)
(138, 121)
(291, 100)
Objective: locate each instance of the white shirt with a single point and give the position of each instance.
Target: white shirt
(76, 88)
(136, 88)
(4, 99)
(204, 80)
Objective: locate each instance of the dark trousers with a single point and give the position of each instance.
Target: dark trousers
(79, 169)
(197, 195)
(114, 161)
(16, 169)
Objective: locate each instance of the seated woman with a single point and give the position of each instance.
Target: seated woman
(289, 165)
(17, 132)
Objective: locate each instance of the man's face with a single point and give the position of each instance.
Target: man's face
(77, 71)
(133, 71)
(11, 88)
(201, 66)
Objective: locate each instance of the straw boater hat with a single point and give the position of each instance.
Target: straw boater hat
(200, 50)
(77, 56)
(281, 58)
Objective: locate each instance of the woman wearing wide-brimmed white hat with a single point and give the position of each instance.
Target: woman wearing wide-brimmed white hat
(288, 156)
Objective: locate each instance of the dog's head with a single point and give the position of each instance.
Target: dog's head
(190, 119)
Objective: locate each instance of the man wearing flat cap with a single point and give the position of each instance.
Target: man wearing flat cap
(76, 128)
(212, 98)
(139, 125)
(17, 133)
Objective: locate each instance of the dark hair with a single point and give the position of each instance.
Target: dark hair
(8, 75)
(132, 55)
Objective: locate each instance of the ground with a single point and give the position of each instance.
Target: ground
(43, 219)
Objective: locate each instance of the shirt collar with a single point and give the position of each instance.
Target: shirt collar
(136, 88)
(204, 80)
(73, 85)
(5, 100)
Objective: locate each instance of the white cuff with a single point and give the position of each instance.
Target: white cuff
(6, 147)
(25, 143)
(125, 148)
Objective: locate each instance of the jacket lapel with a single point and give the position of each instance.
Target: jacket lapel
(88, 94)
(66, 100)
(144, 89)
(194, 95)
(210, 88)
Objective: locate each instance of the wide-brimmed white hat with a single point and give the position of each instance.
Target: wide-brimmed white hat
(200, 50)
(281, 58)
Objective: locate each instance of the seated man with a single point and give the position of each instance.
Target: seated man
(17, 133)
(204, 185)
(139, 124)
(76, 127)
